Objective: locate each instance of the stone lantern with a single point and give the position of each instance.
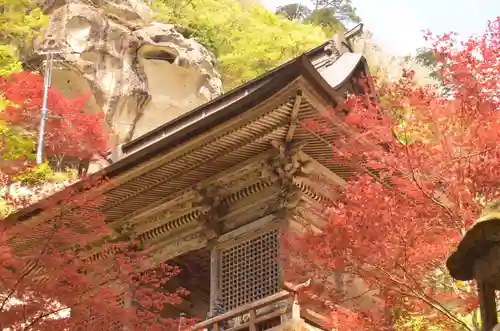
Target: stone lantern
(478, 258)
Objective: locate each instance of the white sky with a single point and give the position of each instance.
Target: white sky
(397, 24)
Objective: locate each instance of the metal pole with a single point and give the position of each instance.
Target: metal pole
(46, 85)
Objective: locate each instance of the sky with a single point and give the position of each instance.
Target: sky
(397, 25)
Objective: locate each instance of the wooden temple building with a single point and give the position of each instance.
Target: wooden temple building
(213, 189)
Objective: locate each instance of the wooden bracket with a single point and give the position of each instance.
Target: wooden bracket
(211, 208)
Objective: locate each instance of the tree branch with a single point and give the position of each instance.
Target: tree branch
(428, 196)
(43, 316)
(428, 300)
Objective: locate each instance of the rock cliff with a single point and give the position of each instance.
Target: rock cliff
(141, 73)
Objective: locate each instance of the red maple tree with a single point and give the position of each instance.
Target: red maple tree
(69, 130)
(68, 271)
(426, 163)
(64, 269)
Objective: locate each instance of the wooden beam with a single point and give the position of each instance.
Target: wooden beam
(214, 277)
(236, 235)
(295, 288)
(171, 207)
(318, 168)
(293, 117)
(304, 219)
(241, 206)
(174, 247)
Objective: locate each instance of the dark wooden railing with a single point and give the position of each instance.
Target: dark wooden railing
(251, 308)
(290, 296)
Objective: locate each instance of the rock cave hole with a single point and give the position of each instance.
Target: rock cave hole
(78, 31)
(161, 55)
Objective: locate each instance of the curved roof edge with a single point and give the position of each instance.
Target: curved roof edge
(206, 117)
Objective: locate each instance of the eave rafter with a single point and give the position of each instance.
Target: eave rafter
(294, 116)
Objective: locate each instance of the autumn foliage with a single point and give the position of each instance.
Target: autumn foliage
(69, 130)
(425, 163)
(64, 268)
(54, 279)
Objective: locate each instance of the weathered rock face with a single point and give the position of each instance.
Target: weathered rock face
(141, 73)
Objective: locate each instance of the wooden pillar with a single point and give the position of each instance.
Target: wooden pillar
(214, 277)
(488, 305)
(284, 216)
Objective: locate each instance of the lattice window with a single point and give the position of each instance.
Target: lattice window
(250, 270)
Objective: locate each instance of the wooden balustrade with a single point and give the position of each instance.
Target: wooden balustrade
(251, 309)
(290, 296)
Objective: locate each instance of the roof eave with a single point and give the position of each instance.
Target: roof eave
(272, 81)
(300, 66)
